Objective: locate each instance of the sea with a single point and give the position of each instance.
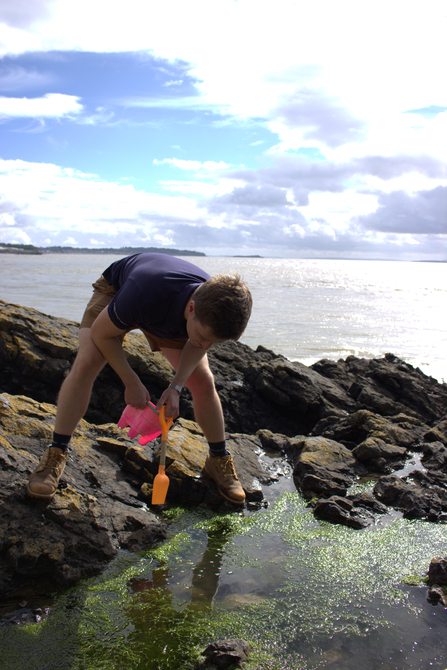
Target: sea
(304, 309)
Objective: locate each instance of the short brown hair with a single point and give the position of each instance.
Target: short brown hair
(224, 303)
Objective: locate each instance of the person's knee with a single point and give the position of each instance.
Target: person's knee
(201, 382)
(87, 365)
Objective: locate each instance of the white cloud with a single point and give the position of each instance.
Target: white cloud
(197, 102)
(193, 187)
(44, 199)
(333, 75)
(250, 196)
(176, 82)
(69, 242)
(423, 212)
(51, 105)
(322, 119)
(339, 77)
(45, 205)
(363, 174)
(352, 44)
(193, 166)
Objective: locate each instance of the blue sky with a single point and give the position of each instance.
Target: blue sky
(136, 109)
(228, 127)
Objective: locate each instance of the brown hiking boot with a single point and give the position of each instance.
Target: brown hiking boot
(44, 480)
(221, 470)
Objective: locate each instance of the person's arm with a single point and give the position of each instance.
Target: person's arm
(189, 359)
(105, 335)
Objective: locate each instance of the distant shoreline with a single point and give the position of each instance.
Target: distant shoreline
(28, 249)
(22, 252)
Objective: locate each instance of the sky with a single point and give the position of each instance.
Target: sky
(231, 127)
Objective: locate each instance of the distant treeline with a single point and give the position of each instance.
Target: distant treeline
(18, 249)
(124, 251)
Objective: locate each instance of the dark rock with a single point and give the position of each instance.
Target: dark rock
(378, 456)
(140, 539)
(356, 511)
(437, 433)
(437, 594)
(342, 510)
(368, 502)
(374, 447)
(435, 456)
(324, 467)
(272, 441)
(429, 478)
(388, 386)
(437, 572)
(226, 653)
(245, 410)
(437, 581)
(296, 390)
(363, 425)
(417, 499)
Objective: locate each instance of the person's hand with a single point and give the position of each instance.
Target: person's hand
(171, 398)
(136, 395)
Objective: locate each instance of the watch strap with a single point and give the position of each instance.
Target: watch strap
(178, 388)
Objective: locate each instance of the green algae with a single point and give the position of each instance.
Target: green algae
(278, 578)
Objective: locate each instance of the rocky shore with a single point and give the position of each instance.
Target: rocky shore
(332, 423)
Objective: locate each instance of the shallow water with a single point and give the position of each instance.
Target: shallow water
(306, 594)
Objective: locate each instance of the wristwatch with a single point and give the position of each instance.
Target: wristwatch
(176, 387)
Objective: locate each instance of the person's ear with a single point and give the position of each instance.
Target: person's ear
(191, 307)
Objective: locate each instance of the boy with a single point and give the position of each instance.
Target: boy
(182, 311)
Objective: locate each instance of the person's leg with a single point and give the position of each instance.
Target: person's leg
(74, 395)
(208, 414)
(207, 407)
(75, 392)
(72, 404)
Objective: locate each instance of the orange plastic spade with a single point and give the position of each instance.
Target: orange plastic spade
(161, 481)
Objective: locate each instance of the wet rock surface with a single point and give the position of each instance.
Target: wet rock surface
(437, 581)
(324, 467)
(356, 511)
(330, 423)
(225, 654)
(419, 495)
(387, 386)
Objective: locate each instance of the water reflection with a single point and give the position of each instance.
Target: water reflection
(205, 575)
(160, 579)
(205, 578)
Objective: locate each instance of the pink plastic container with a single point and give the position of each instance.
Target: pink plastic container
(144, 422)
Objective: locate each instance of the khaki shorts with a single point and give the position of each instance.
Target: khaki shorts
(103, 293)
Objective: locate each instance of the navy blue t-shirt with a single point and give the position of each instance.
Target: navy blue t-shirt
(151, 293)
